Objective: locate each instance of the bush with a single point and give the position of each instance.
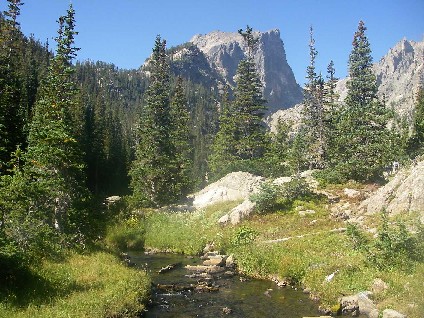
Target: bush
(244, 236)
(297, 188)
(271, 196)
(330, 176)
(394, 246)
(267, 197)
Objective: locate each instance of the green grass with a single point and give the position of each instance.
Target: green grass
(185, 232)
(305, 261)
(93, 285)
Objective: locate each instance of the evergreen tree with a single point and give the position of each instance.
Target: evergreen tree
(153, 171)
(331, 111)
(416, 142)
(313, 112)
(249, 105)
(224, 145)
(11, 117)
(182, 140)
(244, 120)
(54, 159)
(365, 144)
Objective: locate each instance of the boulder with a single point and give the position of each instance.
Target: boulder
(351, 193)
(378, 286)
(366, 305)
(390, 313)
(230, 262)
(349, 304)
(403, 194)
(218, 260)
(234, 186)
(306, 212)
(237, 214)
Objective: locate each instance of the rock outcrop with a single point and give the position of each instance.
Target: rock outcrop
(403, 194)
(224, 51)
(234, 186)
(399, 75)
(239, 213)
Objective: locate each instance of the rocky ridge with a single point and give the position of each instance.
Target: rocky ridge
(399, 74)
(224, 51)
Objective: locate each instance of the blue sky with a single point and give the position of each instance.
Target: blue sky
(123, 31)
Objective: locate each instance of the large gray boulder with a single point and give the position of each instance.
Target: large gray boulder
(239, 213)
(403, 194)
(234, 186)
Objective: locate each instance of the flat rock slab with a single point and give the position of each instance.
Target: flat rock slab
(206, 269)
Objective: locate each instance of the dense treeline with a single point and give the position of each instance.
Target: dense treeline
(70, 133)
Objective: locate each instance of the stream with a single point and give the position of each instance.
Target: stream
(177, 293)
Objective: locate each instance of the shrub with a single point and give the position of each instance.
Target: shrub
(267, 197)
(126, 235)
(297, 188)
(394, 245)
(244, 236)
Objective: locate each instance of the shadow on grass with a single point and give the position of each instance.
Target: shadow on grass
(20, 286)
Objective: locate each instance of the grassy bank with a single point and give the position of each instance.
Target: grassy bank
(309, 253)
(92, 285)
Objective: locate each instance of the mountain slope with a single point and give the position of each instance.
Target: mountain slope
(400, 73)
(224, 50)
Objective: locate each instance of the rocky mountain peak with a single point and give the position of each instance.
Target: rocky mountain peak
(224, 51)
(399, 74)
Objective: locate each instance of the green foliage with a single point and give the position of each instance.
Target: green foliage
(244, 235)
(331, 175)
(93, 285)
(160, 172)
(182, 141)
(394, 246)
(267, 197)
(296, 188)
(314, 112)
(416, 142)
(126, 235)
(271, 196)
(242, 134)
(363, 144)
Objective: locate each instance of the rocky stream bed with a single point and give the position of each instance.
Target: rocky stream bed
(209, 287)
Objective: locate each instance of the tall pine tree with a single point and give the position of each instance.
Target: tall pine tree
(416, 142)
(242, 140)
(313, 112)
(182, 139)
(11, 113)
(365, 144)
(54, 159)
(153, 171)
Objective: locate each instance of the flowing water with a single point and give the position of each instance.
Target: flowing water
(235, 296)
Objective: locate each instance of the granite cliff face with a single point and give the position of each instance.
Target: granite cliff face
(224, 51)
(399, 74)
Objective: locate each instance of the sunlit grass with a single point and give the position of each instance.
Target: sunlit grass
(186, 232)
(94, 285)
